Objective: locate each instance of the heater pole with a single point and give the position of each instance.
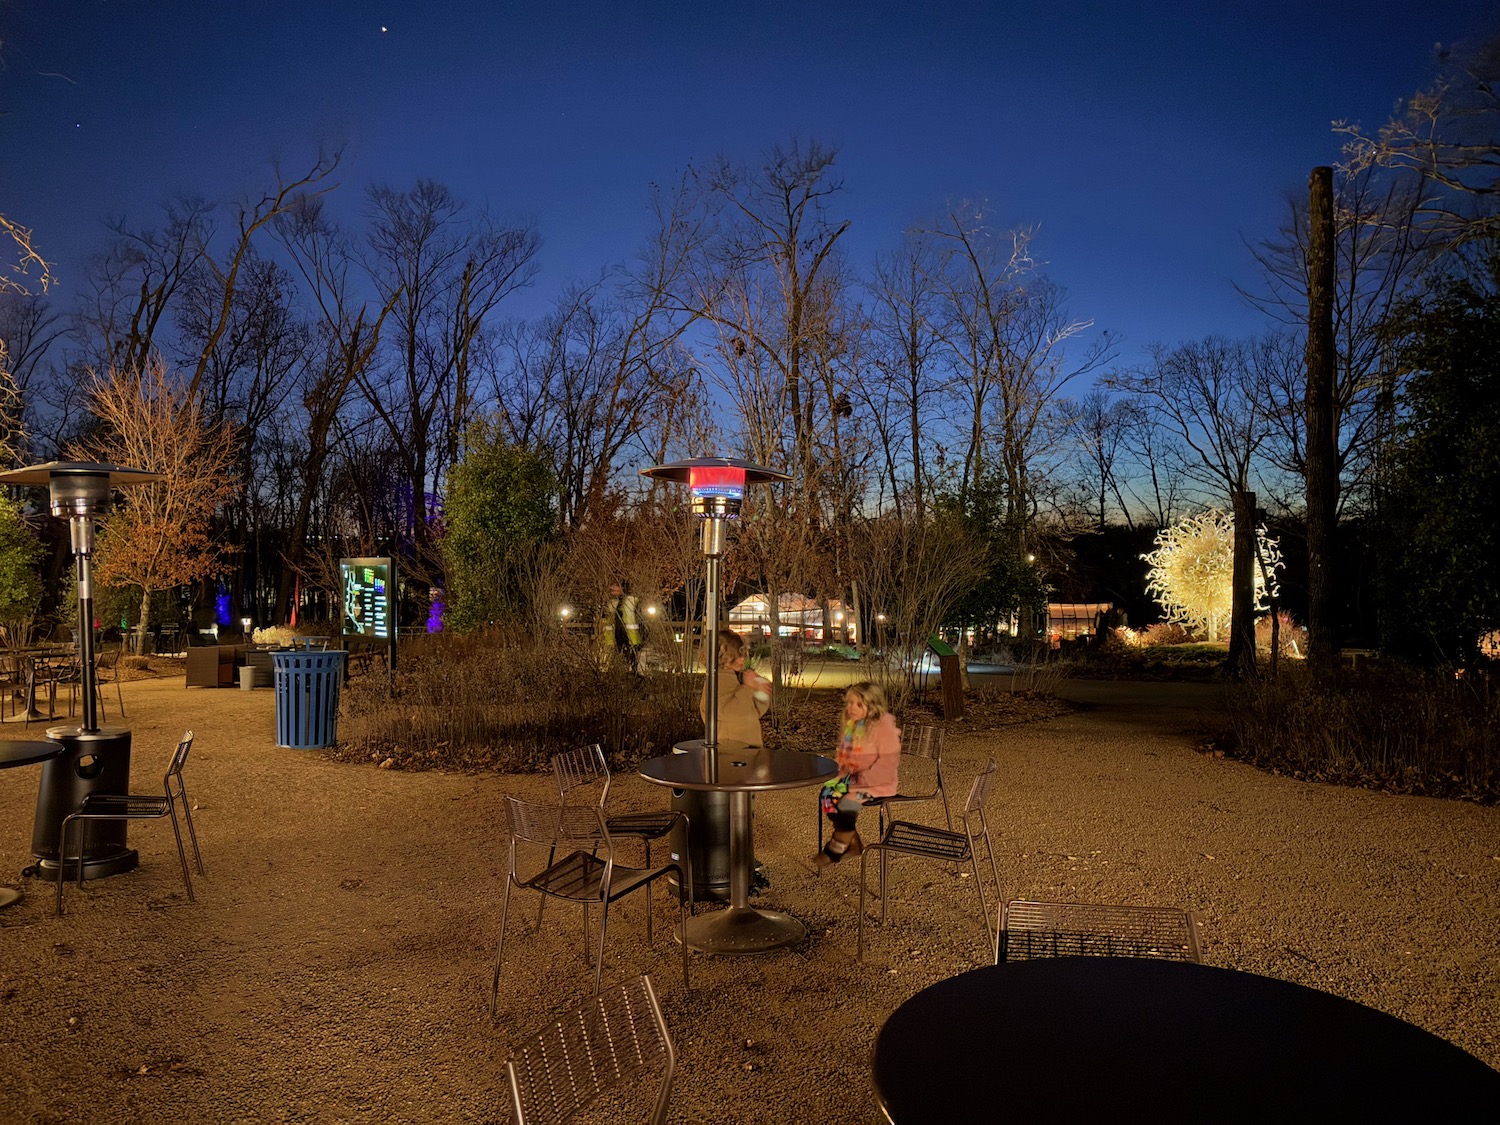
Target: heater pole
(82, 532)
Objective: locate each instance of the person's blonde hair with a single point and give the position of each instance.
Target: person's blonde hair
(731, 646)
(876, 703)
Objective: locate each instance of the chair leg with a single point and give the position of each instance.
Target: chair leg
(599, 964)
(187, 811)
(541, 905)
(884, 893)
(682, 917)
(187, 880)
(859, 926)
(649, 941)
(62, 851)
(500, 947)
(984, 906)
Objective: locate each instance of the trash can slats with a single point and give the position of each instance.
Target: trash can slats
(307, 698)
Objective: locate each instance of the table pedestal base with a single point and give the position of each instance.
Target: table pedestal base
(742, 930)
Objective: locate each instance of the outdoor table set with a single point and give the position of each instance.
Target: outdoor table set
(739, 771)
(37, 666)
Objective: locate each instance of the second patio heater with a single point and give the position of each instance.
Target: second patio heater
(95, 759)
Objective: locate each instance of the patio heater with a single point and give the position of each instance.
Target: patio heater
(94, 758)
(717, 486)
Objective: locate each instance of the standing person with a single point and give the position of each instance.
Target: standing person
(869, 755)
(744, 695)
(625, 624)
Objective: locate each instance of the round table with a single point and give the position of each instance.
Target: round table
(739, 772)
(24, 753)
(1104, 1038)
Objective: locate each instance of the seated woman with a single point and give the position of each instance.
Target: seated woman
(869, 756)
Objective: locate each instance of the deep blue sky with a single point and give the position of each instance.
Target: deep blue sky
(1146, 147)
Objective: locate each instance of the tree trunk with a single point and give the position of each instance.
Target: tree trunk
(1322, 425)
(145, 621)
(1242, 600)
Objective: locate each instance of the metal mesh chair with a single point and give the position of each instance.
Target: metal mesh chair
(129, 806)
(587, 875)
(1076, 929)
(584, 769)
(107, 670)
(919, 742)
(903, 837)
(617, 1036)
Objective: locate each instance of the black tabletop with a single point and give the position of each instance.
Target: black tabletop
(1094, 1038)
(28, 753)
(745, 768)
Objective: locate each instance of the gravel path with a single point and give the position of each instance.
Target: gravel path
(336, 964)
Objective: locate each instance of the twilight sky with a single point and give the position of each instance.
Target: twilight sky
(1147, 141)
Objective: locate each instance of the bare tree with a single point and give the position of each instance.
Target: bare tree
(162, 538)
(346, 334)
(593, 380)
(1007, 332)
(1379, 253)
(1099, 424)
(771, 281)
(1446, 135)
(1210, 394)
(441, 270)
(25, 270)
(913, 573)
(906, 348)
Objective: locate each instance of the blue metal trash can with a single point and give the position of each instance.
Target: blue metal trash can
(307, 698)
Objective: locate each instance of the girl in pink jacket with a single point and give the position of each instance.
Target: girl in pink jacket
(869, 754)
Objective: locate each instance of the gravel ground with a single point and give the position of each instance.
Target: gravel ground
(335, 965)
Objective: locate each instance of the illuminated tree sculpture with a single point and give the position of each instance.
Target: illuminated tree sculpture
(1193, 566)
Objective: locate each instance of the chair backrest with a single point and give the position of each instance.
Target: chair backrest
(597, 1046)
(1076, 929)
(923, 740)
(179, 758)
(579, 768)
(536, 822)
(979, 792)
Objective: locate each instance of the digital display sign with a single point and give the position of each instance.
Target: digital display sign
(369, 597)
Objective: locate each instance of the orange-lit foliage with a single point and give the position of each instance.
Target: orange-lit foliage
(159, 536)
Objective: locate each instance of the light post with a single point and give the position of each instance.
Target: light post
(94, 759)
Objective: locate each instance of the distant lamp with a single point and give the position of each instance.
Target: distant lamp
(565, 612)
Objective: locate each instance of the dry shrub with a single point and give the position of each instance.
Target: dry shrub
(1394, 728)
(1291, 637)
(501, 699)
(1167, 633)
